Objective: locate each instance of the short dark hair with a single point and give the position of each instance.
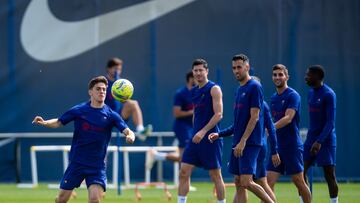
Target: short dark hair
(317, 70)
(242, 57)
(200, 62)
(281, 67)
(96, 80)
(189, 75)
(114, 62)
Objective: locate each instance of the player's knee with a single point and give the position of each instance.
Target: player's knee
(237, 182)
(184, 174)
(216, 177)
(298, 180)
(133, 103)
(271, 182)
(245, 183)
(330, 175)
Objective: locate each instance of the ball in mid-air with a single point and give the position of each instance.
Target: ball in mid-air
(122, 90)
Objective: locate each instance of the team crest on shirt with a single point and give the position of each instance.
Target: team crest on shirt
(282, 102)
(243, 94)
(319, 100)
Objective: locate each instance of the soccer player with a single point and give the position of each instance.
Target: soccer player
(285, 107)
(93, 121)
(183, 110)
(248, 130)
(270, 133)
(260, 174)
(128, 108)
(320, 144)
(208, 110)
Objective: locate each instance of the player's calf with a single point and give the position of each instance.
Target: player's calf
(298, 180)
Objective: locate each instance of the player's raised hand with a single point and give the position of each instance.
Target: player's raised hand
(275, 158)
(38, 120)
(198, 136)
(213, 136)
(239, 148)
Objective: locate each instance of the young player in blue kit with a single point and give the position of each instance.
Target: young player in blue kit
(285, 107)
(208, 109)
(320, 144)
(248, 133)
(130, 108)
(183, 110)
(93, 122)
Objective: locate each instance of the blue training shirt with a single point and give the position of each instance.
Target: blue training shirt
(247, 96)
(203, 108)
(322, 112)
(92, 132)
(288, 136)
(183, 99)
(269, 125)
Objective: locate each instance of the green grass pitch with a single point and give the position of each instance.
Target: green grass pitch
(285, 192)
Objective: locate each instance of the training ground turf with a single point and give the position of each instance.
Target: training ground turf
(286, 193)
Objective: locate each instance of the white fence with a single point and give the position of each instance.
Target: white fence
(65, 149)
(113, 149)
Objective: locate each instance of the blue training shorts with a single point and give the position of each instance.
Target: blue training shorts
(291, 161)
(325, 157)
(261, 163)
(246, 164)
(76, 173)
(205, 154)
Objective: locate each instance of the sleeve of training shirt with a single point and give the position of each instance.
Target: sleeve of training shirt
(227, 131)
(256, 97)
(119, 122)
(330, 106)
(271, 130)
(69, 115)
(294, 101)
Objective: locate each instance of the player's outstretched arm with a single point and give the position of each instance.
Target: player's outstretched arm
(52, 123)
(129, 135)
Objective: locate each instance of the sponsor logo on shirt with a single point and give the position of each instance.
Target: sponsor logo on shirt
(278, 113)
(87, 127)
(199, 105)
(313, 109)
(238, 105)
(189, 106)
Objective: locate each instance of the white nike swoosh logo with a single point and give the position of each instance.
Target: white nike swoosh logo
(47, 38)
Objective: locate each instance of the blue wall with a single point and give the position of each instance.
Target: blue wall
(158, 54)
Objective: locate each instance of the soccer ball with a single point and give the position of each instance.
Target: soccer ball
(122, 90)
